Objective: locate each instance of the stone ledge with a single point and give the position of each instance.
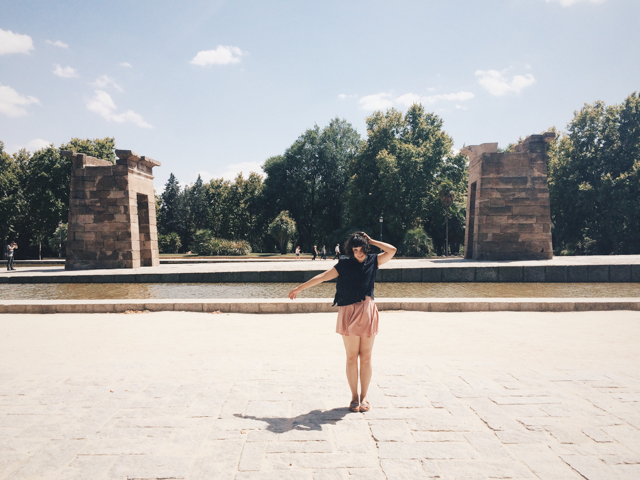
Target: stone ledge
(316, 305)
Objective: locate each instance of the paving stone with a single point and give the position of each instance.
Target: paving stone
(398, 469)
(49, 460)
(419, 436)
(589, 467)
(283, 461)
(279, 475)
(213, 409)
(481, 470)
(544, 463)
(252, 455)
(390, 431)
(423, 450)
(86, 467)
(300, 447)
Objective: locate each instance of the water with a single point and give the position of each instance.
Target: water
(92, 291)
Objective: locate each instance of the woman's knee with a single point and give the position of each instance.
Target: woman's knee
(352, 358)
(365, 358)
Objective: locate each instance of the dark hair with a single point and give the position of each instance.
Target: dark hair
(357, 239)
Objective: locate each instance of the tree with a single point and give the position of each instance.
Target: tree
(594, 173)
(310, 179)
(170, 214)
(197, 212)
(283, 229)
(103, 148)
(46, 189)
(11, 199)
(397, 173)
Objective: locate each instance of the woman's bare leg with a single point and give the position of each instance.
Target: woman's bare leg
(352, 346)
(366, 347)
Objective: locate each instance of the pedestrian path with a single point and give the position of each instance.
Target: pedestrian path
(254, 397)
(621, 268)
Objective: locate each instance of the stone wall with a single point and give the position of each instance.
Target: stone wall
(508, 216)
(112, 214)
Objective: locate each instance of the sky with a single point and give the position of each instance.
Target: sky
(215, 88)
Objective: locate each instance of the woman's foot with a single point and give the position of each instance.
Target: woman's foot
(365, 406)
(354, 406)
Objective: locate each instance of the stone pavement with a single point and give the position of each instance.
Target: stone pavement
(253, 397)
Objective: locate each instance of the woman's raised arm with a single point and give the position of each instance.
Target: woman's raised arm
(388, 250)
(323, 277)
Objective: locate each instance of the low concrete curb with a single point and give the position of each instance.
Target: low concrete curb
(318, 305)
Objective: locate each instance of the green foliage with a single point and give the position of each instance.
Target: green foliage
(46, 190)
(11, 198)
(310, 180)
(206, 244)
(58, 239)
(171, 212)
(103, 148)
(169, 243)
(594, 180)
(397, 173)
(417, 243)
(283, 229)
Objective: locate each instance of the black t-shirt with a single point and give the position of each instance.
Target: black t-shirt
(356, 280)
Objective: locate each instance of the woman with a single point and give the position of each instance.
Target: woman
(298, 253)
(357, 312)
(315, 252)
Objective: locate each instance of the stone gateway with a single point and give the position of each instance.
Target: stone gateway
(508, 215)
(112, 212)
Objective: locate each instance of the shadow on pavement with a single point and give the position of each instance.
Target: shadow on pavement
(314, 420)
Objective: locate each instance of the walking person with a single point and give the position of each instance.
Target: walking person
(324, 253)
(11, 246)
(315, 252)
(298, 253)
(357, 312)
(337, 252)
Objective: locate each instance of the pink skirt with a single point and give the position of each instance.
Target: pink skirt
(359, 319)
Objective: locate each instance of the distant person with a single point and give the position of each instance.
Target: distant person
(315, 252)
(11, 246)
(298, 253)
(337, 252)
(324, 253)
(357, 312)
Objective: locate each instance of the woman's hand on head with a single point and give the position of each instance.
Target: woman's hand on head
(367, 237)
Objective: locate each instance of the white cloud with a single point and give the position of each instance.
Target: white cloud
(31, 146)
(13, 104)
(105, 81)
(222, 55)
(57, 43)
(103, 105)
(64, 72)
(498, 84)
(14, 42)
(377, 101)
(568, 3)
(232, 170)
(344, 96)
(36, 144)
(381, 101)
(125, 64)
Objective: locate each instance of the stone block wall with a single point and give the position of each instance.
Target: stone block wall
(508, 215)
(112, 215)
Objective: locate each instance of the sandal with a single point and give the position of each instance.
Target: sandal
(354, 406)
(365, 406)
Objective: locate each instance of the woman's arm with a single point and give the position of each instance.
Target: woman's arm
(323, 277)
(388, 250)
